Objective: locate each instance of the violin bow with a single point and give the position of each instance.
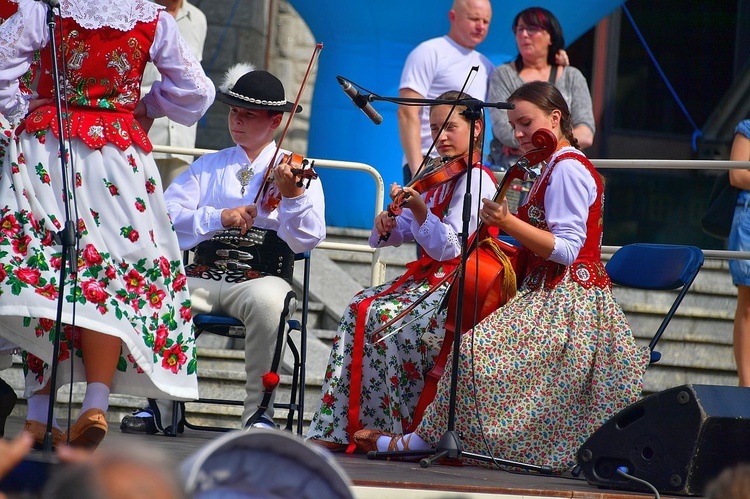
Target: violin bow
(316, 51)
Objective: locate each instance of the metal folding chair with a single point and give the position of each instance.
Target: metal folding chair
(656, 267)
(231, 327)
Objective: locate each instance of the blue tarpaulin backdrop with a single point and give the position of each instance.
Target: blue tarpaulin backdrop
(367, 42)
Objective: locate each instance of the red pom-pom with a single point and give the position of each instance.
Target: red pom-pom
(270, 381)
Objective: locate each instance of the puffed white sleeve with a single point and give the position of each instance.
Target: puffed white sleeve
(194, 221)
(571, 191)
(22, 34)
(184, 93)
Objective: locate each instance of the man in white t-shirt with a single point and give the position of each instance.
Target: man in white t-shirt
(164, 132)
(438, 65)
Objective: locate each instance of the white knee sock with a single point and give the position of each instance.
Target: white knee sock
(413, 441)
(38, 409)
(97, 397)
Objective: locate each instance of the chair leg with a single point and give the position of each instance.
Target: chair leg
(295, 381)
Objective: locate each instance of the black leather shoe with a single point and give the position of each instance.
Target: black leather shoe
(147, 421)
(8, 400)
(142, 421)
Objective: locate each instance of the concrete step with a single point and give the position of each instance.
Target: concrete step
(696, 347)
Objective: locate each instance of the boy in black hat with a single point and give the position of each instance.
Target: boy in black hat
(213, 209)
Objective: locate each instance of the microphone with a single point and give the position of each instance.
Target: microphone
(360, 100)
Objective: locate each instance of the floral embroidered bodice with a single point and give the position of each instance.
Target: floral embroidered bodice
(104, 69)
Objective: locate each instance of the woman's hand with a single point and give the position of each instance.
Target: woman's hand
(495, 214)
(37, 103)
(140, 114)
(561, 58)
(413, 201)
(395, 190)
(384, 223)
(242, 217)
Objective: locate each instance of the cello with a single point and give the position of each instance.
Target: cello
(490, 276)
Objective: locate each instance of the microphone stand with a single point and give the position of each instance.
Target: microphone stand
(67, 236)
(449, 445)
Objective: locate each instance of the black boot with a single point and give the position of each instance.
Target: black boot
(7, 402)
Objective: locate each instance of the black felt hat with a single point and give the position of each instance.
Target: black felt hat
(246, 87)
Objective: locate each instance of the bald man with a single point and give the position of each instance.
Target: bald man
(437, 66)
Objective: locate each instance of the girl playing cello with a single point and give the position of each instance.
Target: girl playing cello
(376, 382)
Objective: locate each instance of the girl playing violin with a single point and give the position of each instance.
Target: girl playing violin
(374, 380)
(540, 374)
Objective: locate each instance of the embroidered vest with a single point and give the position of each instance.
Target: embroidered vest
(104, 71)
(587, 270)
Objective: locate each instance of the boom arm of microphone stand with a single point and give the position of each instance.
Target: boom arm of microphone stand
(411, 101)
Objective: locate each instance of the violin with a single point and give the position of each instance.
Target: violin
(438, 172)
(301, 168)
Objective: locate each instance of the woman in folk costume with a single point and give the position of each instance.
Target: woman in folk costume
(7, 349)
(128, 299)
(543, 372)
(375, 381)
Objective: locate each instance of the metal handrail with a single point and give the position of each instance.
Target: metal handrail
(377, 270)
(674, 164)
(377, 266)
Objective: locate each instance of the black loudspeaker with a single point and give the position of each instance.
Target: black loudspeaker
(678, 440)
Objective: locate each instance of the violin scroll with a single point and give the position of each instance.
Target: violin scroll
(545, 143)
(301, 168)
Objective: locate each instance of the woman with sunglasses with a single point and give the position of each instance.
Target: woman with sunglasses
(541, 57)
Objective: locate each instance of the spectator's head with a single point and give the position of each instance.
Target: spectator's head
(537, 32)
(470, 22)
(263, 463)
(732, 483)
(123, 472)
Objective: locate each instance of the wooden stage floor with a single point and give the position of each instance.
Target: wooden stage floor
(393, 479)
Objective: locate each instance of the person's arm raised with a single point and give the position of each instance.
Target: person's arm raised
(409, 129)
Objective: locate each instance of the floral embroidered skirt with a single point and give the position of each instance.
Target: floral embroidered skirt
(130, 281)
(541, 374)
(393, 368)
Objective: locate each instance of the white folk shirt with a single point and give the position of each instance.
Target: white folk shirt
(196, 198)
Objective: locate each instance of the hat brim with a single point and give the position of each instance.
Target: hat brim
(235, 102)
